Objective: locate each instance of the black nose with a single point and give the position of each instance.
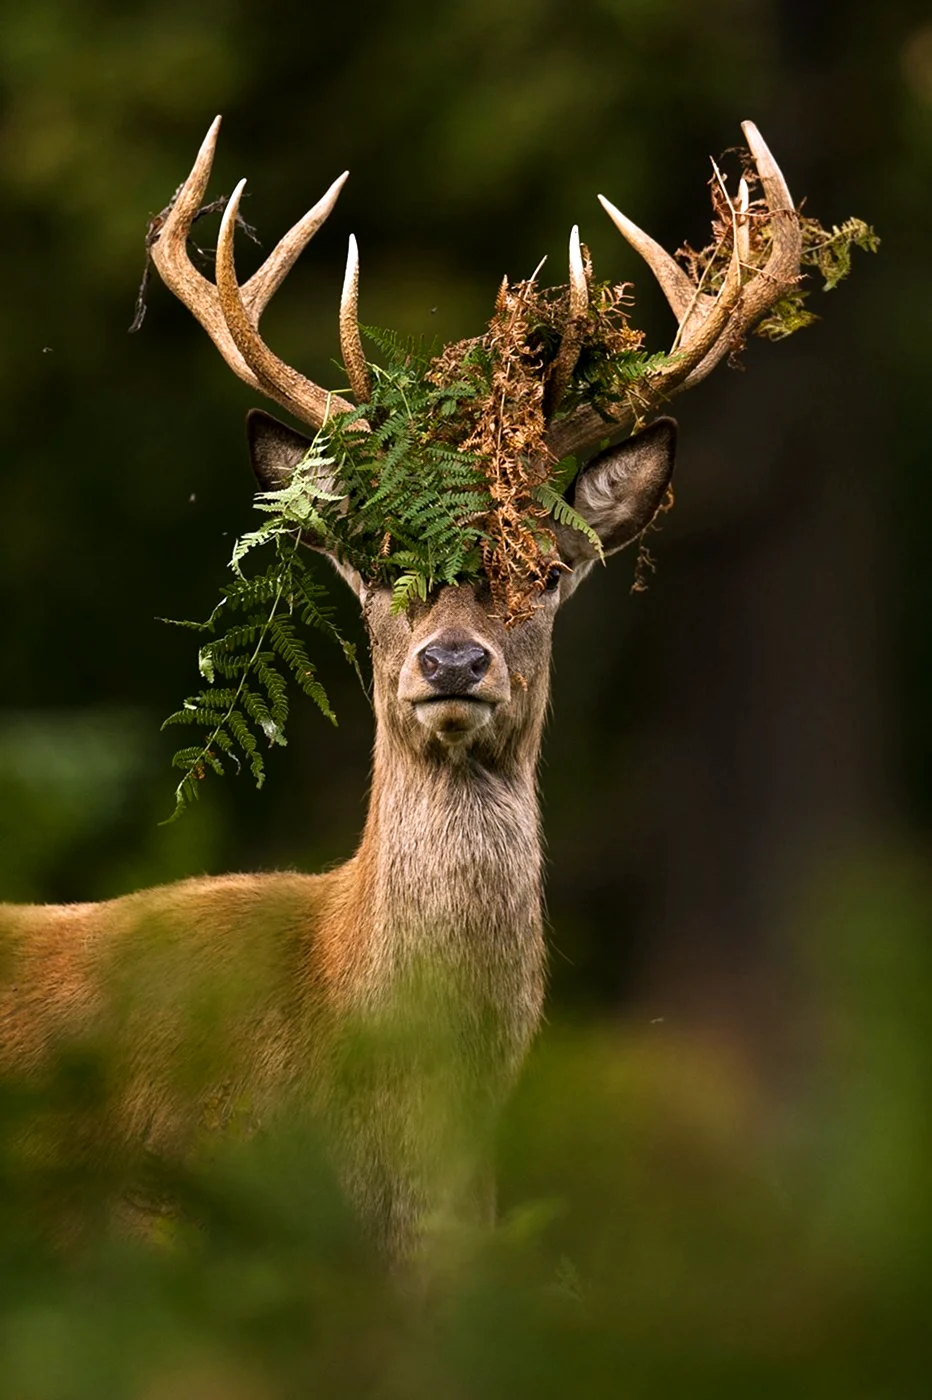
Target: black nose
(453, 666)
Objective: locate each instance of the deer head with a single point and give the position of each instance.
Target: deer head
(449, 674)
(451, 677)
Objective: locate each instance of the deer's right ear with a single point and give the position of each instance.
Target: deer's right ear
(274, 449)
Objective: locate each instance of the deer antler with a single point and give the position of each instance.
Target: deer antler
(561, 371)
(708, 326)
(230, 313)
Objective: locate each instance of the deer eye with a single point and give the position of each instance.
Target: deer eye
(552, 581)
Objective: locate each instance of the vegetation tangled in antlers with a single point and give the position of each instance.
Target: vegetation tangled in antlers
(444, 474)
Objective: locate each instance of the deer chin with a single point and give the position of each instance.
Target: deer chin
(453, 719)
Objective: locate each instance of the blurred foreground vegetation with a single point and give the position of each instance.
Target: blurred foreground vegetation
(669, 1226)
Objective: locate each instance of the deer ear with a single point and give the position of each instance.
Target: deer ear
(274, 449)
(621, 490)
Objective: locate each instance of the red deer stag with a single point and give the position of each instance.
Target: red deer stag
(448, 871)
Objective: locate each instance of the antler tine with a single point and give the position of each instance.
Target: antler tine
(263, 284)
(741, 220)
(275, 378)
(674, 283)
(567, 356)
(579, 285)
(170, 254)
(351, 349)
(782, 267)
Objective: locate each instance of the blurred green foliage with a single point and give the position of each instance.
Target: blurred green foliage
(669, 1225)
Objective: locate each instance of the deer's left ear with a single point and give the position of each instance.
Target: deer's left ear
(620, 491)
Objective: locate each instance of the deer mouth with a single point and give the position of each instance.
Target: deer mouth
(453, 718)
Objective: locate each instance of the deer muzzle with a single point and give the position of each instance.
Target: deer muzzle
(454, 680)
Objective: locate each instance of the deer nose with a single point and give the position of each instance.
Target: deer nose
(453, 667)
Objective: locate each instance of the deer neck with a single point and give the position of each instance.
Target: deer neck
(449, 876)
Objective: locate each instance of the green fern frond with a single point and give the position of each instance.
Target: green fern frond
(406, 588)
(397, 348)
(251, 703)
(562, 511)
(246, 739)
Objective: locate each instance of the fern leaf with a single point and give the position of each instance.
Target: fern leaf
(276, 689)
(205, 663)
(316, 692)
(221, 738)
(184, 758)
(246, 739)
(562, 511)
(406, 588)
(186, 793)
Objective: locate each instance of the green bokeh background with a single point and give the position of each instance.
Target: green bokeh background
(737, 781)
